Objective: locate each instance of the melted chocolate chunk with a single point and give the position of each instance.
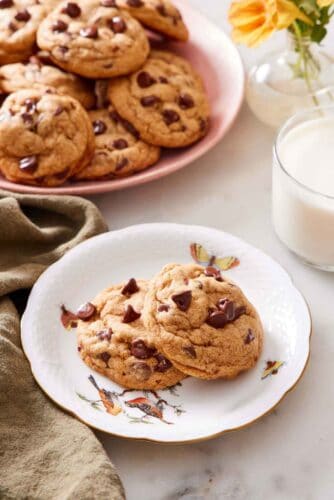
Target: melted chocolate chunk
(239, 311)
(68, 319)
(217, 319)
(99, 127)
(108, 3)
(105, 334)
(30, 105)
(163, 364)
(130, 288)
(212, 272)
(130, 315)
(135, 3)
(145, 80)
(72, 9)
(120, 144)
(86, 311)
(121, 164)
(89, 32)
(228, 308)
(190, 350)
(59, 26)
(105, 357)
(141, 370)
(163, 308)
(163, 79)
(5, 4)
(140, 350)
(29, 164)
(185, 101)
(170, 116)
(117, 24)
(23, 15)
(182, 300)
(162, 10)
(27, 118)
(249, 337)
(149, 100)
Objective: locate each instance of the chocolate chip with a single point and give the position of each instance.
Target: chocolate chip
(183, 300)
(4, 4)
(190, 350)
(140, 350)
(162, 10)
(27, 118)
(130, 128)
(135, 3)
(212, 272)
(145, 80)
(105, 357)
(163, 308)
(108, 3)
(117, 24)
(163, 364)
(23, 15)
(141, 370)
(105, 334)
(121, 164)
(86, 311)
(163, 79)
(59, 26)
(186, 101)
(239, 311)
(114, 116)
(130, 288)
(249, 337)
(63, 49)
(58, 110)
(170, 116)
(29, 164)
(72, 9)
(120, 144)
(12, 26)
(149, 100)
(99, 127)
(89, 32)
(30, 105)
(130, 315)
(228, 308)
(79, 348)
(217, 319)
(68, 319)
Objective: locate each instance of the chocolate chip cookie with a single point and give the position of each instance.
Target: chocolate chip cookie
(45, 137)
(201, 322)
(113, 340)
(158, 15)
(20, 76)
(118, 151)
(164, 100)
(93, 39)
(19, 20)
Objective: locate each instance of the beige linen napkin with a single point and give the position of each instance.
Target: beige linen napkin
(44, 452)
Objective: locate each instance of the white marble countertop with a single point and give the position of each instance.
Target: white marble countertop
(289, 454)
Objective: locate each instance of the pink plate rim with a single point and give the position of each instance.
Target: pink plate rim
(194, 19)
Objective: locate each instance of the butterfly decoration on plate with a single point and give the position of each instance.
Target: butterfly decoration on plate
(202, 257)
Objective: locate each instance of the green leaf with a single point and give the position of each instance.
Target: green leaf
(318, 33)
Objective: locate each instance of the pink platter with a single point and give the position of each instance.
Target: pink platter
(217, 60)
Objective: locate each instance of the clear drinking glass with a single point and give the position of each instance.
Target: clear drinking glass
(303, 218)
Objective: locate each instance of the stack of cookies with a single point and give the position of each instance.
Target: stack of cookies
(85, 96)
(188, 320)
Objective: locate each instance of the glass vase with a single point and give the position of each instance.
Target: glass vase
(288, 81)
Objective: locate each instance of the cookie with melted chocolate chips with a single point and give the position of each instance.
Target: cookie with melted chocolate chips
(114, 341)
(164, 100)
(202, 322)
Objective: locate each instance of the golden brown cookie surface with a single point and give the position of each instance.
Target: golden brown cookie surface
(202, 323)
(165, 101)
(114, 341)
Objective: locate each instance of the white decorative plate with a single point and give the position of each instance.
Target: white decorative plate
(195, 409)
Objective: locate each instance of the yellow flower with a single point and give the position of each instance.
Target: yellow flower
(254, 21)
(324, 3)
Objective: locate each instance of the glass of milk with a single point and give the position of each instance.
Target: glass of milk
(303, 186)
